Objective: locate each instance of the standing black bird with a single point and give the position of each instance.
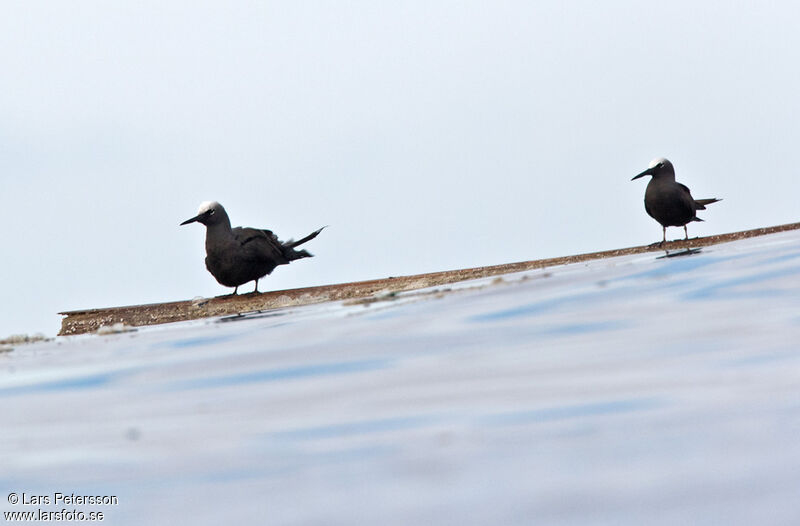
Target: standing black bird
(235, 256)
(668, 202)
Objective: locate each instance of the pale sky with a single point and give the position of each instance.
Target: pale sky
(428, 135)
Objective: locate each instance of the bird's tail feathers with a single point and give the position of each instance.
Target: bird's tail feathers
(701, 203)
(291, 243)
(292, 254)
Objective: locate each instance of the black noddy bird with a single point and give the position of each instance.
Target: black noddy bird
(235, 256)
(669, 202)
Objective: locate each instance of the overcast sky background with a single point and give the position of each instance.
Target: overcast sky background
(428, 135)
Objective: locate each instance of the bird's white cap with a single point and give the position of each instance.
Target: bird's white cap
(658, 160)
(205, 206)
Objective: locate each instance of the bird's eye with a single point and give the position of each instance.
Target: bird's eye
(211, 212)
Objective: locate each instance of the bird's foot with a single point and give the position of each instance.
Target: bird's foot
(232, 294)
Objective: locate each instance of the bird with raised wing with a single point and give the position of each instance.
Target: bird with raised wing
(235, 256)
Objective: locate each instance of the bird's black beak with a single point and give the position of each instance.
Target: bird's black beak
(649, 171)
(192, 220)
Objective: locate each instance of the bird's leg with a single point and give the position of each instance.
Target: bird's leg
(686, 232)
(663, 239)
(234, 290)
(255, 290)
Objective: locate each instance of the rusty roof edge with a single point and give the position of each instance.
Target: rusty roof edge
(88, 320)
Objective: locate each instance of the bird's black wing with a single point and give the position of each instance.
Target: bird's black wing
(699, 204)
(689, 203)
(259, 245)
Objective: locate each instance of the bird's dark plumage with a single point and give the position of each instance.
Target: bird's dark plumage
(235, 256)
(667, 201)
